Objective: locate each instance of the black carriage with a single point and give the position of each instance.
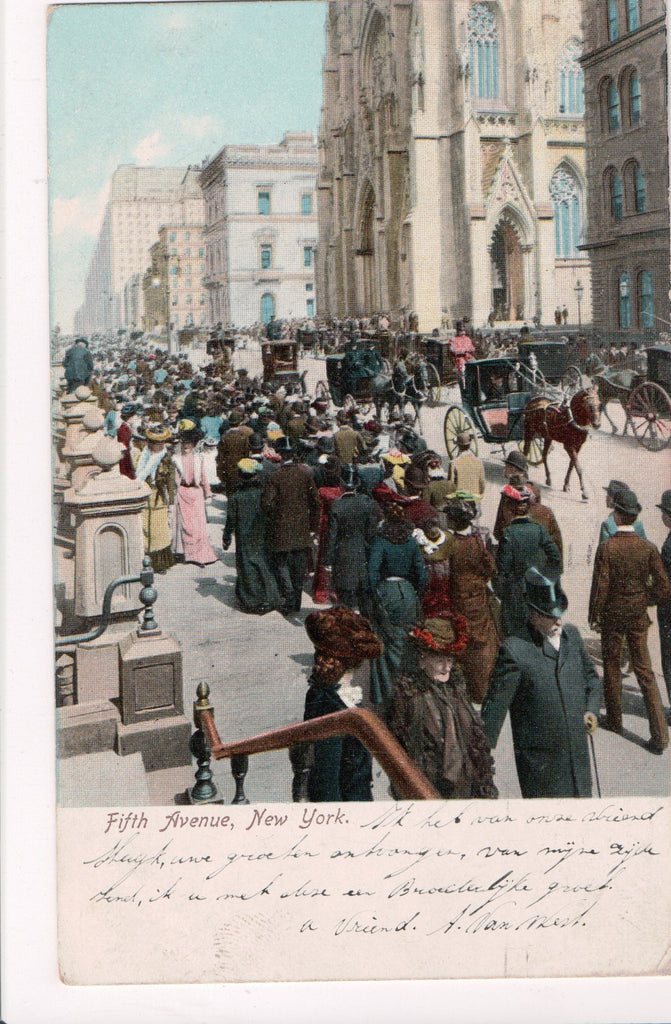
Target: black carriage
(494, 395)
(649, 405)
(343, 388)
(440, 364)
(307, 338)
(280, 362)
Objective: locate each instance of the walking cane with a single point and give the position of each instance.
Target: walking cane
(596, 771)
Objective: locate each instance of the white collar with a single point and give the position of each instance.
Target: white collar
(625, 529)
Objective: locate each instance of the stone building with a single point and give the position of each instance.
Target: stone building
(172, 288)
(452, 163)
(261, 230)
(141, 199)
(627, 163)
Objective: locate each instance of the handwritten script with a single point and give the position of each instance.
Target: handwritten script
(415, 889)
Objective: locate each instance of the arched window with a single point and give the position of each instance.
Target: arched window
(483, 44)
(639, 190)
(634, 99)
(613, 21)
(646, 300)
(633, 19)
(615, 194)
(267, 307)
(614, 117)
(571, 80)
(624, 304)
(565, 195)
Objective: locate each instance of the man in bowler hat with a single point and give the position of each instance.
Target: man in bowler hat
(545, 678)
(628, 577)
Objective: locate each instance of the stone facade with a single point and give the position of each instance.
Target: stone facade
(261, 230)
(141, 200)
(452, 164)
(627, 164)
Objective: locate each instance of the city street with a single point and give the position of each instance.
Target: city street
(257, 668)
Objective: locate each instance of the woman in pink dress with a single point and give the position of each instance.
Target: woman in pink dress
(190, 540)
(462, 349)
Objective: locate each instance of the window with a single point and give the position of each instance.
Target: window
(201, 252)
(307, 255)
(264, 203)
(633, 20)
(624, 301)
(565, 196)
(646, 300)
(173, 269)
(634, 99)
(639, 190)
(483, 45)
(614, 119)
(187, 236)
(173, 236)
(571, 99)
(306, 204)
(311, 307)
(188, 282)
(309, 287)
(187, 253)
(267, 307)
(613, 22)
(616, 196)
(188, 300)
(174, 300)
(266, 256)
(202, 300)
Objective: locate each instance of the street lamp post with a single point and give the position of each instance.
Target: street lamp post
(578, 294)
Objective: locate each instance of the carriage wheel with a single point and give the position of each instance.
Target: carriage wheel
(322, 391)
(649, 411)
(572, 378)
(535, 454)
(456, 421)
(433, 379)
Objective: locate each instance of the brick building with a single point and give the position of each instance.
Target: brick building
(626, 116)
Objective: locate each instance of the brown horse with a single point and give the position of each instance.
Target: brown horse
(567, 423)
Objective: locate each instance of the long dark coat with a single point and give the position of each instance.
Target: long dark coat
(352, 524)
(547, 693)
(78, 365)
(343, 768)
(291, 502)
(255, 585)
(524, 544)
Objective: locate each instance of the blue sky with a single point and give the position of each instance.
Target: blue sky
(164, 84)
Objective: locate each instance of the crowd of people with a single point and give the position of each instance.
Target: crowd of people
(459, 625)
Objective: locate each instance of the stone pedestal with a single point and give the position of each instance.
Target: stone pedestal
(150, 701)
(97, 665)
(73, 414)
(80, 455)
(108, 533)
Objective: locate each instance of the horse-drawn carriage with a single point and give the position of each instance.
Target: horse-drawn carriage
(280, 363)
(343, 387)
(645, 398)
(307, 338)
(530, 400)
(441, 367)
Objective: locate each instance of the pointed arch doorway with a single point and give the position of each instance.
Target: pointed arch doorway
(506, 255)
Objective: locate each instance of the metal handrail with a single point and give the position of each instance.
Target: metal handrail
(359, 722)
(147, 597)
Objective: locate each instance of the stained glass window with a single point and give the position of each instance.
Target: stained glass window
(483, 44)
(565, 195)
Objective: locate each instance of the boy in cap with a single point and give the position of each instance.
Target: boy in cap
(609, 526)
(515, 470)
(628, 576)
(545, 677)
(664, 607)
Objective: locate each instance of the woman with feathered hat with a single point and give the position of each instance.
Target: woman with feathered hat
(431, 714)
(156, 468)
(190, 540)
(343, 639)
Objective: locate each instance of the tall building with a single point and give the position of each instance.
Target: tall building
(452, 164)
(627, 163)
(141, 199)
(172, 285)
(261, 230)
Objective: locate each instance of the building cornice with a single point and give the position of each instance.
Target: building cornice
(625, 42)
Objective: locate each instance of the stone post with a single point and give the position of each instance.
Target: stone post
(80, 455)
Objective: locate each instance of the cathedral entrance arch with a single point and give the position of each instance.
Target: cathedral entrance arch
(506, 254)
(366, 253)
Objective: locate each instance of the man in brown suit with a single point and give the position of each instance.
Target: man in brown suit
(349, 444)
(233, 446)
(291, 503)
(628, 576)
(544, 515)
(467, 472)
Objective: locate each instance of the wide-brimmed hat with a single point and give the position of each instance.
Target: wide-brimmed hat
(395, 457)
(157, 432)
(625, 501)
(442, 631)
(248, 467)
(614, 487)
(516, 458)
(460, 506)
(343, 634)
(544, 595)
(665, 503)
(192, 436)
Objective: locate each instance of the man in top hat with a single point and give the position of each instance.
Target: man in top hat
(545, 678)
(515, 470)
(467, 472)
(609, 526)
(628, 576)
(664, 607)
(353, 520)
(291, 503)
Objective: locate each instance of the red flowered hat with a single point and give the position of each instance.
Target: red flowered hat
(443, 630)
